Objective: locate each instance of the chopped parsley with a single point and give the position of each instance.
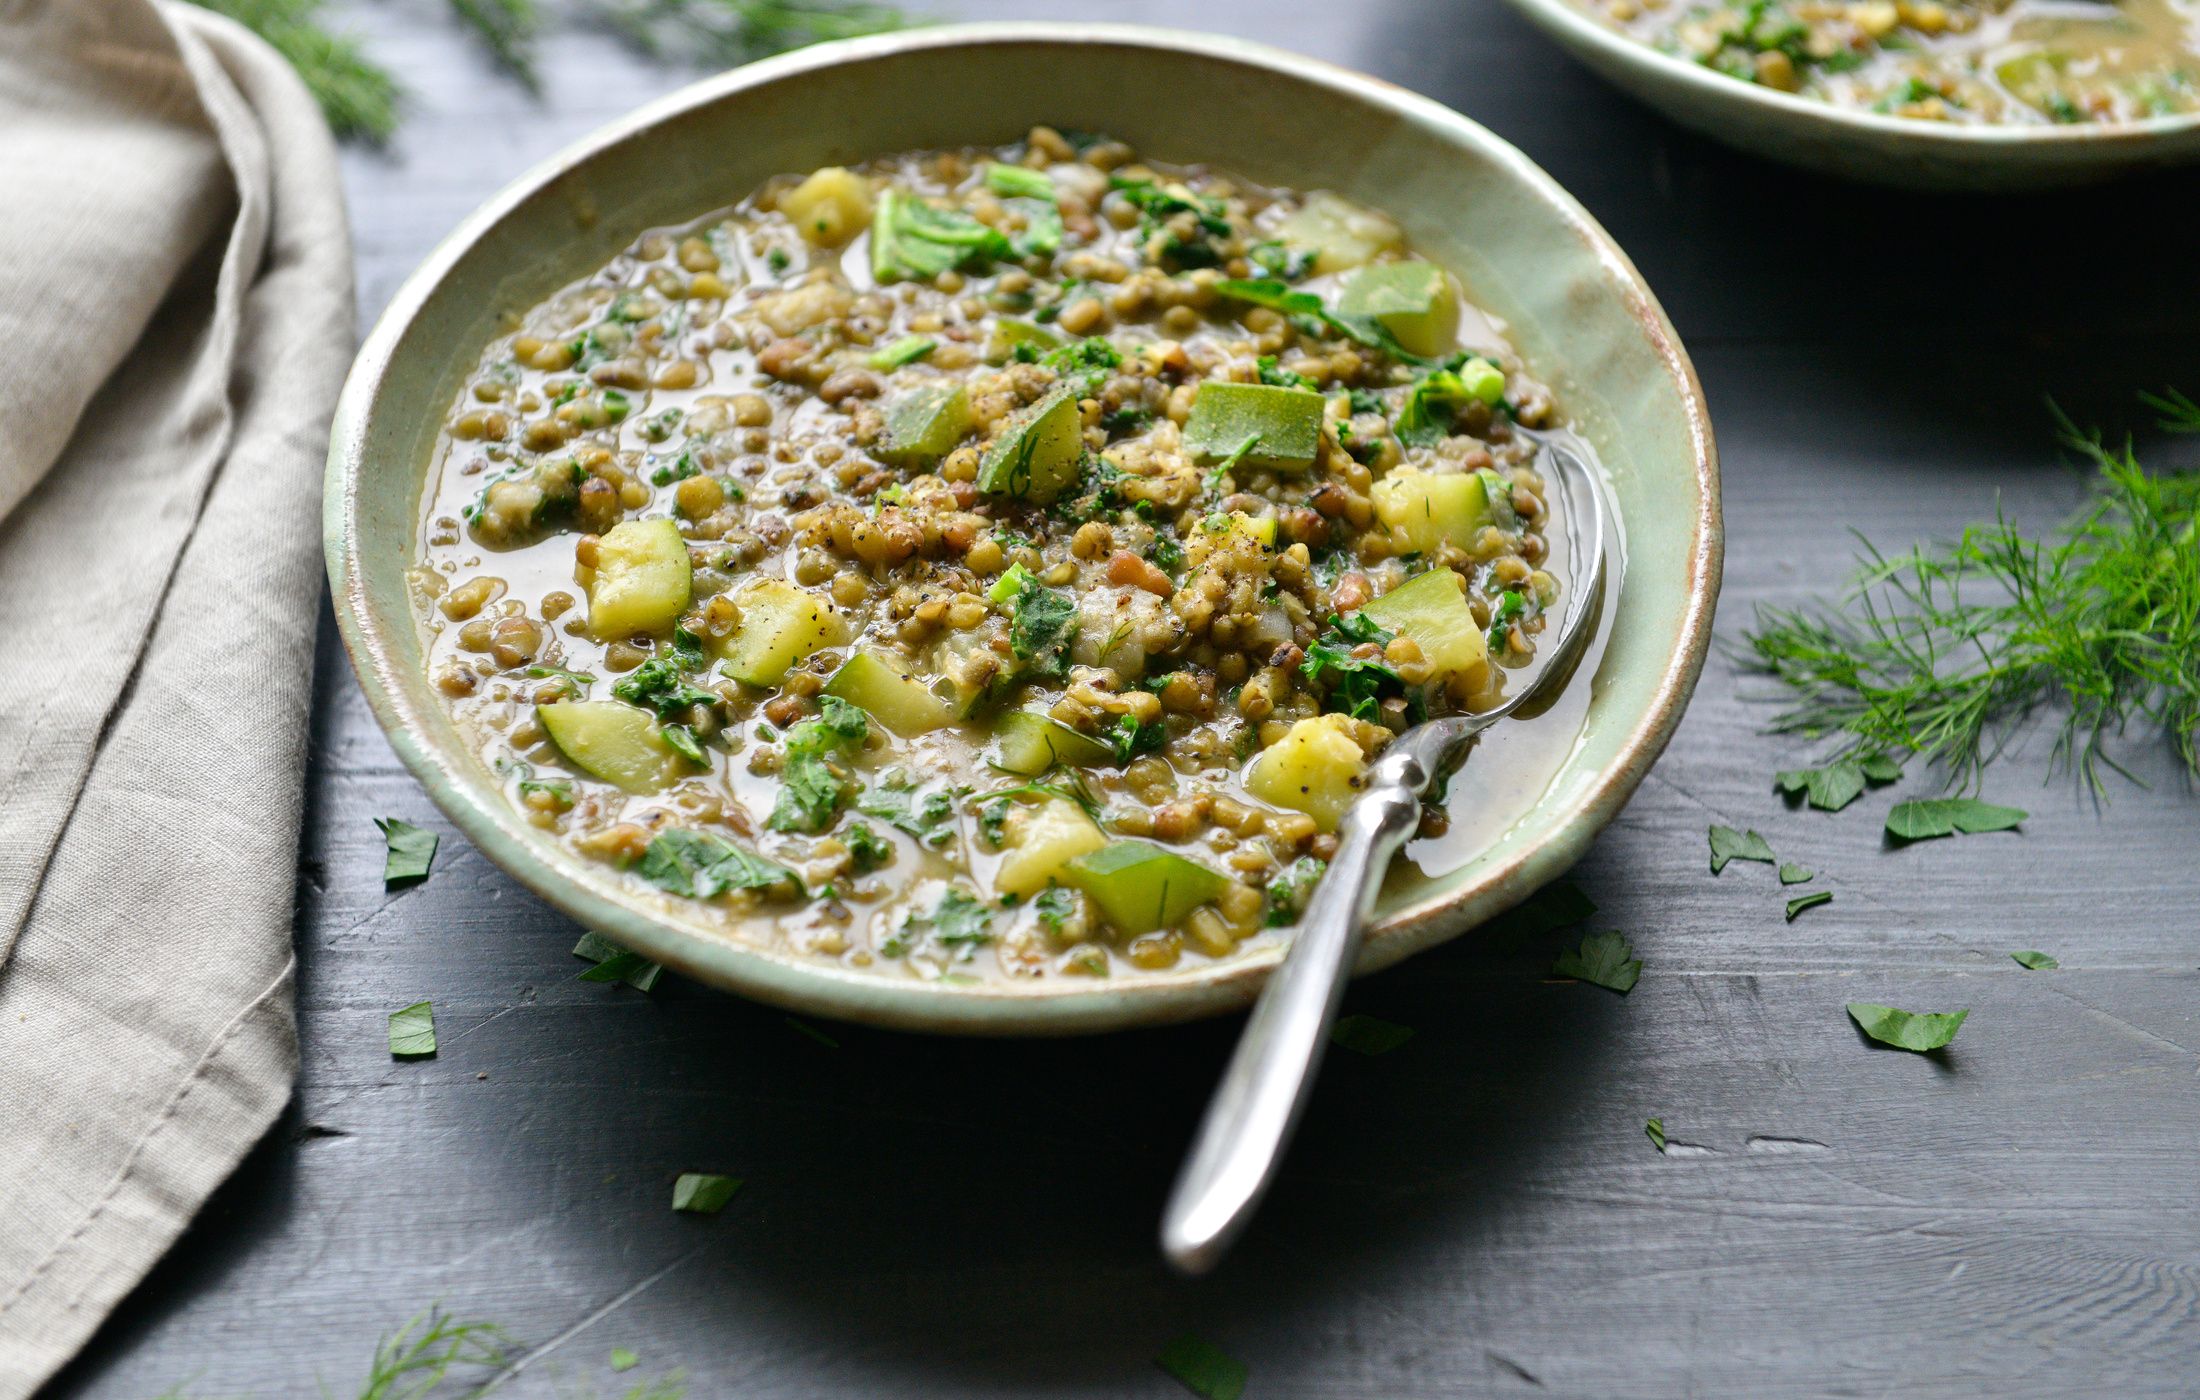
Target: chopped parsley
(698, 865)
(959, 922)
(412, 1032)
(1926, 818)
(1203, 1368)
(929, 816)
(867, 850)
(2036, 962)
(1289, 892)
(660, 685)
(1728, 844)
(411, 850)
(1806, 901)
(1178, 229)
(1656, 1130)
(1041, 621)
(1603, 958)
(1793, 874)
(1130, 736)
(1356, 686)
(615, 964)
(1369, 1035)
(1918, 1031)
(703, 1193)
(1054, 906)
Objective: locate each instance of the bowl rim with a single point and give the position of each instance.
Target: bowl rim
(991, 1008)
(1942, 138)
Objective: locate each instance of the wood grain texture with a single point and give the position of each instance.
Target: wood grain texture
(1478, 1213)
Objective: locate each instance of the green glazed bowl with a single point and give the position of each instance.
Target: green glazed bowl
(1576, 308)
(1869, 146)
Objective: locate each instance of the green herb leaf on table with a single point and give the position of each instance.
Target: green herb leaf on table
(624, 1360)
(1560, 904)
(1907, 1030)
(1603, 958)
(703, 1193)
(1656, 1129)
(1929, 817)
(1805, 901)
(1829, 788)
(1369, 1035)
(2035, 961)
(412, 1032)
(805, 1028)
(1203, 1368)
(1728, 844)
(1793, 874)
(421, 1353)
(616, 964)
(411, 851)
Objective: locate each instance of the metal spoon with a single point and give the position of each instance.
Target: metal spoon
(1259, 1100)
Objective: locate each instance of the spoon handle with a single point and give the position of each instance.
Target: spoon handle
(1265, 1087)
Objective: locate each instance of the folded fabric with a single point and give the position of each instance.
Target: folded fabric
(175, 319)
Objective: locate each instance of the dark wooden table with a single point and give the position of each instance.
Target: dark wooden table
(1479, 1212)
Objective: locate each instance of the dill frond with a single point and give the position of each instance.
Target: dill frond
(723, 33)
(507, 28)
(412, 1361)
(1942, 651)
(358, 96)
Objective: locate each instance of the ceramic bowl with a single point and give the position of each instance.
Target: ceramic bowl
(1870, 146)
(1576, 307)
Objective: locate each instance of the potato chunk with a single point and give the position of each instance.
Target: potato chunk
(829, 206)
(1314, 769)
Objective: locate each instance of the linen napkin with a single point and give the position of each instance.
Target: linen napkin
(175, 320)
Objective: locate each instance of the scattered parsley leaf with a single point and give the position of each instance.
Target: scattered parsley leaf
(929, 816)
(810, 794)
(805, 1028)
(1880, 767)
(2036, 962)
(1728, 844)
(1040, 622)
(1793, 874)
(1203, 1368)
(616, 964)
(1944, 816)
(1369, 1035)
(659, 685)
(411, 852)
(1289, 892)
(703, 1193)
(1829, 788)
(1054, 906)
(1558, 905)
(959, 922)
(1907, 1030)
(624, 1360)
(1603, 958)
(1805, 901)
(701, 866)
(1656, 1129)
(412, 1032)
(867, 850)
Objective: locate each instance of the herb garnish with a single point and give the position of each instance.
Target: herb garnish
(1203, 1368)
(1054, 907)
(811, 788)
(958, 922)
(867, 850)
(411, 851)
(1728, 844)
(1907, 1030)
(1437, 398)
(412, 1032)
(1289, 892)
(930, 817)
(915, 239)
(1656, 1129)
(905, 351)
(703, 1193)
(576, 683)
(616, 964)
(1357, 685)
(2036, 961)
(1945, 816)
(1839, 783)
(699, 865)
(1943, 650)
(1179, 229)
(1805, 901)
(1369, 1035)
(1603, 958)
(1793, 874)
(1041, 620)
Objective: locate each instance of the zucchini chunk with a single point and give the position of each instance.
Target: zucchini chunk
(1039, 454)
(1141, 886)
(1041, 841)
(1427, 509)
(612, 741)
(1431, 611)
(1028, 743)
(641, 583)
(1314, 769)
(924, 425)
(893, 699)
(780, 624)
(1414, 301)
(1342, 233)
(1283, 425)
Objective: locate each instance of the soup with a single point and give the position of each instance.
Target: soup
(991, 562)
(2017, 62)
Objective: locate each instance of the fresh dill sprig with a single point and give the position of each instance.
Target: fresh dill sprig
(507, 28)
(1942, 651)
(357, 95)
(721, 33)
(412, 1361)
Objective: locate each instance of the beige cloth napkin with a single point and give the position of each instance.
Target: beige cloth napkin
(175, 319)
